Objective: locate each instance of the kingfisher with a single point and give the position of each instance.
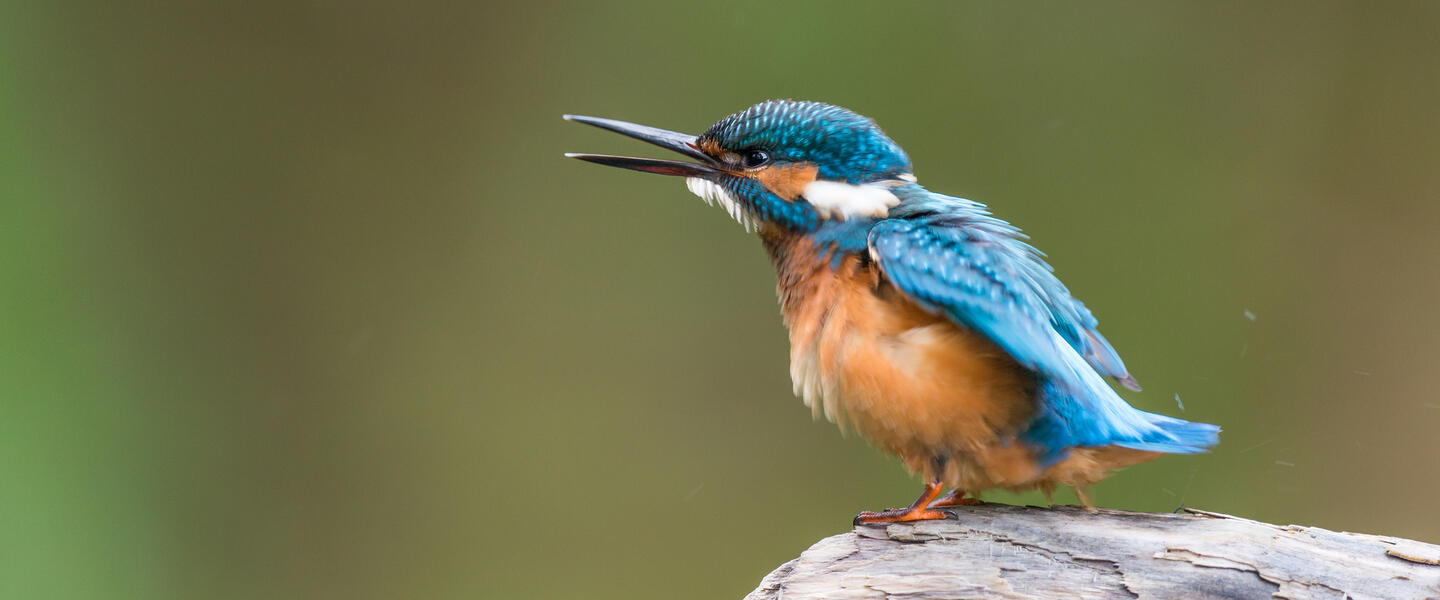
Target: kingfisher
(919, 320)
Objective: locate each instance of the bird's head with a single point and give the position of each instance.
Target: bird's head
(779, 163)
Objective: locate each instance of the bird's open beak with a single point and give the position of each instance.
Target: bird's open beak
(707, 168)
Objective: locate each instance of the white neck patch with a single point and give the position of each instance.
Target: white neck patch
(837, 199)
(831, 199)
(713, 194)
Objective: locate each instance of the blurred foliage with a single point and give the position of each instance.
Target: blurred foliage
(301, 301)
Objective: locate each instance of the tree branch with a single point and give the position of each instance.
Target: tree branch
(1001, 551)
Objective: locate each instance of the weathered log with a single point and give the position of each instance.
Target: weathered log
(1001, 551)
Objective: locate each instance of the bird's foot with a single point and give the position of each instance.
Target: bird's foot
(901, 515)
(919, 510)
(954, 498)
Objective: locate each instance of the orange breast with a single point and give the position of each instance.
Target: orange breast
(911, 382)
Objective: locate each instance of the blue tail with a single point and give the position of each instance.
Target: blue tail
(1175, 436)
(1103, 419)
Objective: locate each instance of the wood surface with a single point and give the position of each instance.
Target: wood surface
(1013, 552)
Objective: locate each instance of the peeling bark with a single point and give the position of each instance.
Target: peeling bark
(1013, 552)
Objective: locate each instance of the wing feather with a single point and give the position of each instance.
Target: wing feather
(950, 256)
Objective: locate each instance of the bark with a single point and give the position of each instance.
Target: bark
(1001, 551)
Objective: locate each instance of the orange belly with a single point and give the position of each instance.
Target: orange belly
(915, 384)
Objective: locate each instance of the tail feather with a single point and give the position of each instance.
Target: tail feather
(1175, 436)
(1065, 422)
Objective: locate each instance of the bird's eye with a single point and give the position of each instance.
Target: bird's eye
(756, 158)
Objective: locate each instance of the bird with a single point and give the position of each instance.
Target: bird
(921, 321)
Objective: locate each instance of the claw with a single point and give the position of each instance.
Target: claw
(903, 515)
(918, 511)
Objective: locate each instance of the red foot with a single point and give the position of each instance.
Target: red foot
(918, 511)
(954, 498)
(900, 515)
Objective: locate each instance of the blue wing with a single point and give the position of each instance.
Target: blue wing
(951, 256)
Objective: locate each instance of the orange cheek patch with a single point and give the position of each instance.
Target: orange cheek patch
(710, 147)
(787, 181)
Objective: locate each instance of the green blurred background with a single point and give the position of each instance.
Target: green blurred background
(300, 300)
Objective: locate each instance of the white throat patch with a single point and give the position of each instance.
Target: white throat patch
(713, 194)
(837, 199)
